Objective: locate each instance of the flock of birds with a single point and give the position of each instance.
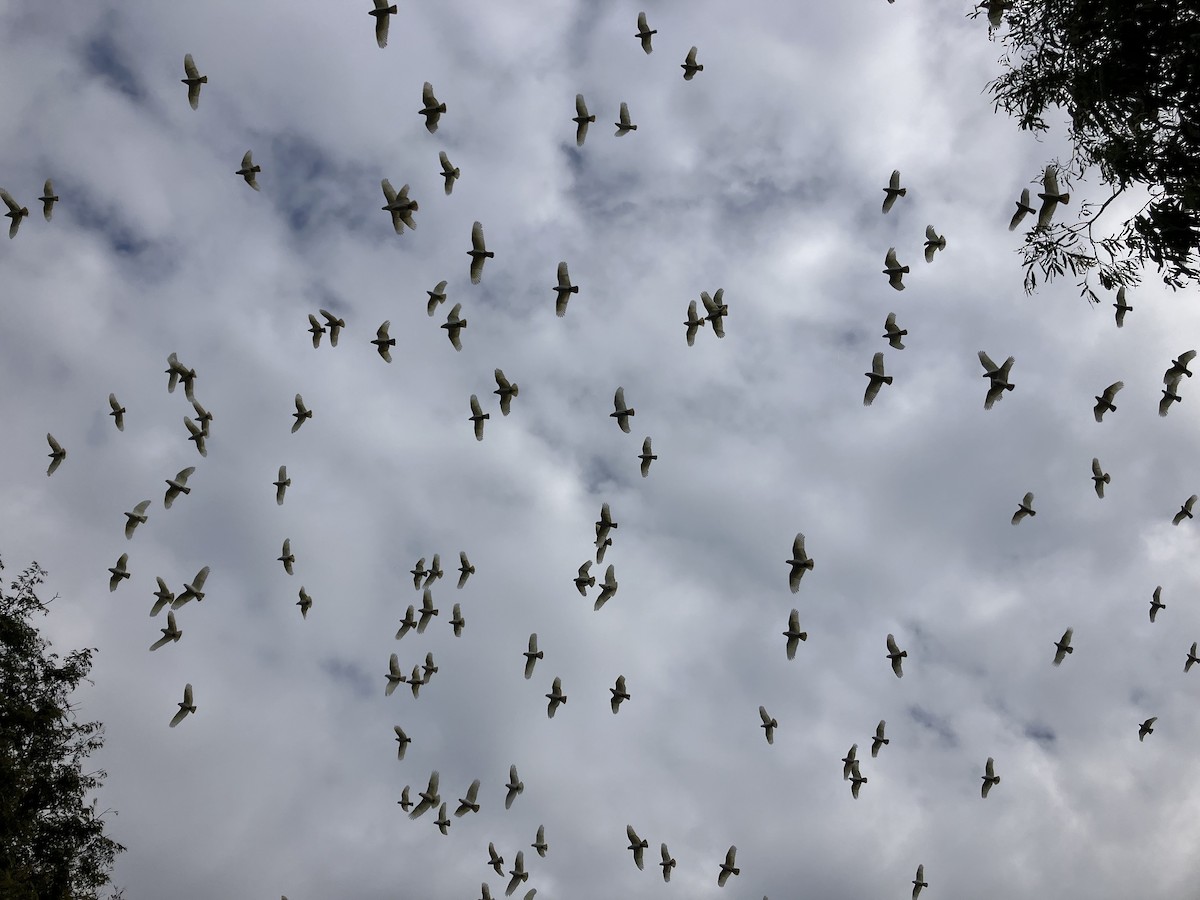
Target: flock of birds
(401, 209)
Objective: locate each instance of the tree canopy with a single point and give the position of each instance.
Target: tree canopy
(52, 842)
(1127, 74)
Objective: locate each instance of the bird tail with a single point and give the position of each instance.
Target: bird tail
(903, 192)
(887, 379)
(204, 79)
(1107, 478)
(516, 390)
(1064, 198)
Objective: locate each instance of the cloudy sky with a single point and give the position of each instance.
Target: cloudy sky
(762, 176)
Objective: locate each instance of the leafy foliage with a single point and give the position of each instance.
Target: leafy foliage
(52, 843)
(1127, 74)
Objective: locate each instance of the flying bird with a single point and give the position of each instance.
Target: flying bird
(646, 456)
(690, 66)
(768, 724)
(335, 325)
(848, 762)
(518, 874)
(1185, 511)
(556, 697)
(717, 309)
(249, 170)
(197, 435)
(1156, 603)
(879, 740)
(302, 412)
(621, 412)
(316, 329)
(477, 416)
(449, 172)
(432, 110)
(793, 634)
(1050, 196)
(187, 706)
(933, 243)
(305, 602)
(415, 681)
(465, 569)
(436, 296)
(619, 694)
(403, 740)
(895, 654)
(514, 787)
(16, 212)
(1122, 307)
(532, 655)
(729, 867)
(856, 779)
(800, 563)
(1104, 402)
(282, 483)
(893, 190)
(893, 332)
(1192, 658)
(876, 379)
(178, 485)
(990, 778)
(1063, 647)
(1100, 477)
(1179, 367)
(1023, 210)
(581, 120)
(401, 209)
(637, 845)
(435, 570)
(57, 454)
(478, 253)
(383, 341)
(192, 591)
(1025, 508)
(203, 416)
(584, 579)
(919, 882)
(429, 797)
(287, 557)
(668, 863)
(381, 12)
(608, 589)
(428, 611)
(644, 32)
(496, 861)
(171, 633)
(457, 622)
(999, 378)
(404, 802)
(118, 573)
(624, 126)
(539, 844)
(442, 821)
(693, 322)
(470, 802)
(193, 81)
(48, 198)
(1170, 395)
(118, 412)
(893, 270)
(135, 518)
(163, 596)
(395, 676)
(563, 290)
(1146, 728)
(408, 623)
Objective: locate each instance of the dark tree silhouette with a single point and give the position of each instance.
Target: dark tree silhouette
(52, 842)
(1127, 74)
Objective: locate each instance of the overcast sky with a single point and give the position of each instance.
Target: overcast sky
(761, 176)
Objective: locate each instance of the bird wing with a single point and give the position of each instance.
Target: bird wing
(476, 410)
(477, 237)
(894, 181)
(877, 363)
(890, 260)
(624, 113)
(619, 400)
(1111, 391)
